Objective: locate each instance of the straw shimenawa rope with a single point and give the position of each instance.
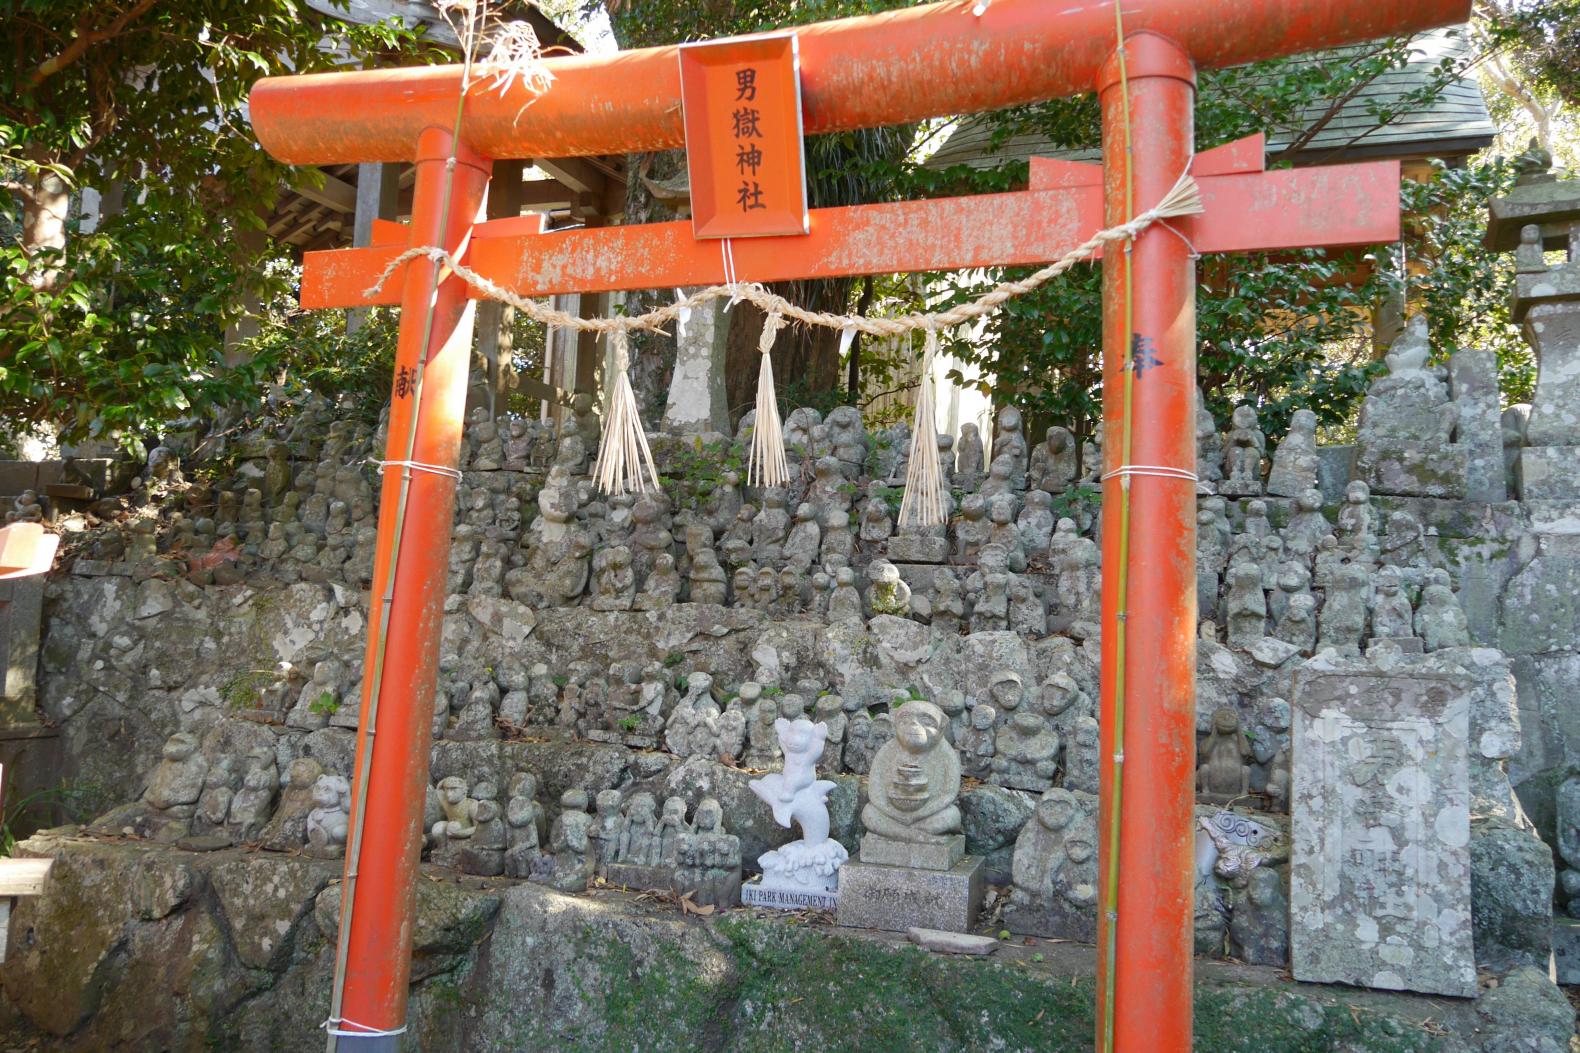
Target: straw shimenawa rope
(623, 451)
(923, 504)
(766, 465)
(1184, 199)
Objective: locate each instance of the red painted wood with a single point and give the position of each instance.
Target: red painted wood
(1272, 210)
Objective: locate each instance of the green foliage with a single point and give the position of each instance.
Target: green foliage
(630, 722)
(312, 351)
(1080, 502)
(1282, 331)
(694, 470)
(70, 801)
(245, 690)
(130, 333)
(325, 705)
(112, 333)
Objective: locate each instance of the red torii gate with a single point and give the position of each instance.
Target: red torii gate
(862, 72)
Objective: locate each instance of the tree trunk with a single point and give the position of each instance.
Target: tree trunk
(806, 359)
(45, 208)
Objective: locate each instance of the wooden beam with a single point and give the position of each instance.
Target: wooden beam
(23, 877)
(335, 193)
(1244, 212)
(575, 172)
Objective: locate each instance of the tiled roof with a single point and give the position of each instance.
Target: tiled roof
(1454, 124)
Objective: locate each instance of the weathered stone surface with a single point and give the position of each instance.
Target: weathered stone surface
(543, 971)
(1511, 882)
(952, 942)
(1380, 871)
(264, 904)
(1547, 473)
(899, 898)
(1473, 382)
(991, 817)
(942, 855)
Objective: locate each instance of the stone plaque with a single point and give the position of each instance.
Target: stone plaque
(1380, 823)
(753, 894)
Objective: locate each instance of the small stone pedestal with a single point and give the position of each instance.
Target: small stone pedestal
(875, 896)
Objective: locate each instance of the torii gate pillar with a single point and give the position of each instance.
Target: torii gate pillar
(1148, 943)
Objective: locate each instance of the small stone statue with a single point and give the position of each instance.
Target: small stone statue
(848, 439)
(1011, 442)
(662, 587)
(27, 508)
(1392, 616)
(614, 580)
(1081, 760)
(287, 828)
(604, 835)
(1342, 623)
(1035, 523)
(175, 787)
(1025, 752)
(1053, 462)
(1055, 887)
(844, 604)
(1295, 461)
(889, 594)
(252, 805)
(877, 522)
(1224, 774)
(459, 822)
(1298, 626)
(1307, 527)
(330, 819)
(672, 828)
(708, 863)
(1209, 450)
(1440, 622)
(1243, 450)
(524, 822)
(770, 528)
(797, 795)
(1356, 533)
(638, 844)
(1245, 605)
(972, 529)
(969, 457)
(914, 786)
(570, 859)
(976, 743)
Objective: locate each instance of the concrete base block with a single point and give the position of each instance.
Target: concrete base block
(872, 896)
(918, 548)
(941, 855)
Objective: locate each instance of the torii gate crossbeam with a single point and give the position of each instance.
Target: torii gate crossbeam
(904, 66)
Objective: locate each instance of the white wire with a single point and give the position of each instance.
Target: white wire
(419, 466)
(1159, 470)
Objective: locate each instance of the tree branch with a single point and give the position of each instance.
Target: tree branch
(82, 42)
(21, 190)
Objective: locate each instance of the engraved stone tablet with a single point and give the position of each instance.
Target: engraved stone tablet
(1380, 866)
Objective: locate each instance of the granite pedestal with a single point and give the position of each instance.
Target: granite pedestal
(875, 896)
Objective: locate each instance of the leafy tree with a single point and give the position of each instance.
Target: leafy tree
(107, 332)
(1283, 331)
